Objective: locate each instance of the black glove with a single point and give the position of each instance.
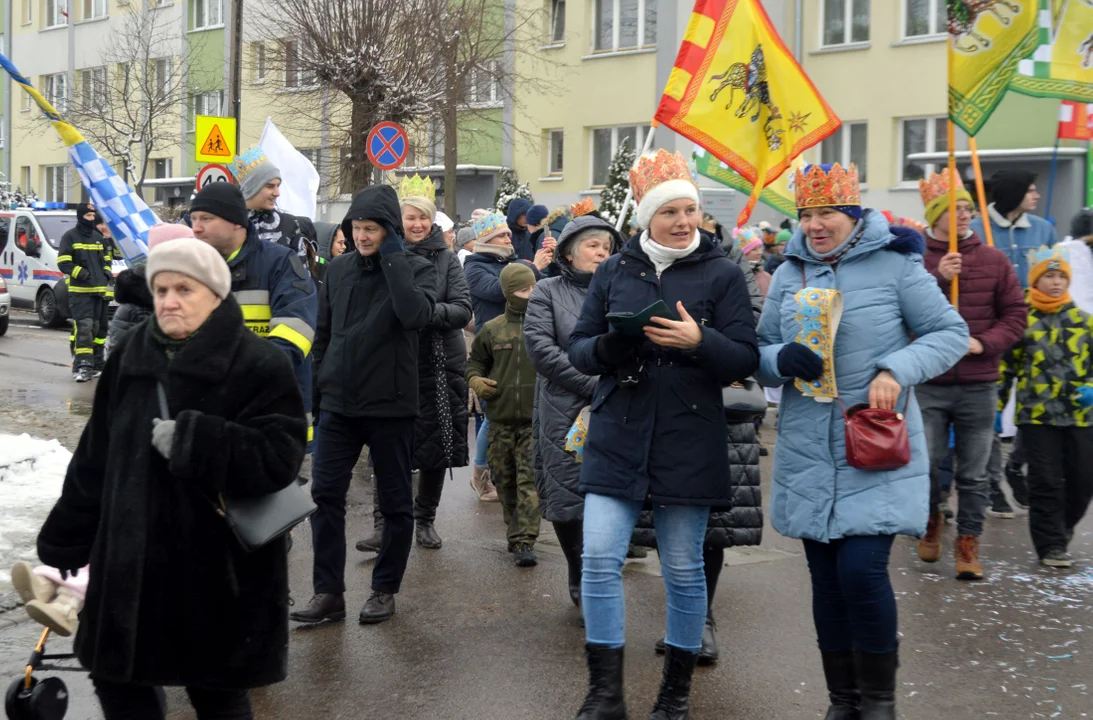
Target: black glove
(66, 573)
(614, 348)
(796, 360)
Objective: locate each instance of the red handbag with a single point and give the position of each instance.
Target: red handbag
(876, 439)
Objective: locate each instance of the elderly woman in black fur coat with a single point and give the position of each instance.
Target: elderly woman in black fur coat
(173, 599)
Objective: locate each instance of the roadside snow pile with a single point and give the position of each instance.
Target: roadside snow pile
(32, 472)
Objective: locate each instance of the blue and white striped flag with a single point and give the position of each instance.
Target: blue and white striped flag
(125, 212)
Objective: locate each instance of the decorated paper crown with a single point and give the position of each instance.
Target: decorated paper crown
(417, 186)
(816, 188)
(655, 170)
(582, 208)
(249, 161)
(1054, 258)
(935, 193)
(490, 226)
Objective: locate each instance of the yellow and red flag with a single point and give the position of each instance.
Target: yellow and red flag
(737, 91)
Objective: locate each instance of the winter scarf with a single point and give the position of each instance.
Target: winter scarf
(837, 253)
(170, 345)
(501, 251)
(663, 257)
(1045, 303)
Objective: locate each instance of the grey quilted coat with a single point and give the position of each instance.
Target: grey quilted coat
(561, 391)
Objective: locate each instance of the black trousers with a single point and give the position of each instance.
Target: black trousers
(90, 322)
(145, 702)
(1060, 482)
(341, 440)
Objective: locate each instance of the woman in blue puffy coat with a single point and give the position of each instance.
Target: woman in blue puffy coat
(657, 429)
(897, 330)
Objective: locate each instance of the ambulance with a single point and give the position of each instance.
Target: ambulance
(29, 238)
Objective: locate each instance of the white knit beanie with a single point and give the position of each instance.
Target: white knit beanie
(193, 258)
(663, 194)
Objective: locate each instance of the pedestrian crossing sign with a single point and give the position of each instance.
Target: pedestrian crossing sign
(214, 138)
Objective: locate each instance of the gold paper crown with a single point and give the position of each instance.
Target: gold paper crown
(582, 208)
(417, 186)
(937, 185)
(654, 170)
(246, 163)
(1053, 256)
(837, 187)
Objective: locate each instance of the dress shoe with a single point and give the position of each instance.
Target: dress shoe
(379, 608)
(323, 607)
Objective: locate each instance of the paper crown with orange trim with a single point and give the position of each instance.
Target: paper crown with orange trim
(581, 208)
(1043, 259)
(838, 187)
(660, 179)
(935, 194)
(417, 186)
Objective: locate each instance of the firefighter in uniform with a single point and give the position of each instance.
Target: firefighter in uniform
(269, 281)
(83, 260)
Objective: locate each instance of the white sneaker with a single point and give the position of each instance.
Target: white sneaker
(60, 616)
(31, 586)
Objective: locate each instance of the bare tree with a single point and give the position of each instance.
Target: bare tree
(375, 55)
(132, 105)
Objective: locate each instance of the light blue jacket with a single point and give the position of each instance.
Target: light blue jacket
(1017, 238)
(894, 318)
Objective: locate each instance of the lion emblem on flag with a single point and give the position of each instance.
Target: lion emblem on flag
(751, 79)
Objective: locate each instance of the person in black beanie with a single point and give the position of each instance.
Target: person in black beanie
(85, 259)
(1015, 230)
(374, 300)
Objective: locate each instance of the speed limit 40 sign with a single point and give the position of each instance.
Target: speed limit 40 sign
(213, 173)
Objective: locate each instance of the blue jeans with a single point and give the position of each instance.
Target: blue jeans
(853, 605)
(681, 531)
(482, 443)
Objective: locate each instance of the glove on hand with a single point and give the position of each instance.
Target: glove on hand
(1084, 396)
(163, 436)
(483, 387)
(615, 349)
(796, 360)
(998, 423)
(391, 245)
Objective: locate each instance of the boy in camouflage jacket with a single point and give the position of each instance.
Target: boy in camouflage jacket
(1054, 374)
(500, 372)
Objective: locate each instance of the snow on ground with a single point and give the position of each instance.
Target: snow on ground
(32, 472)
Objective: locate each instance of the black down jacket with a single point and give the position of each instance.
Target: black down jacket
(440, 431)
(135, 304)
(743, 524)
(173, 598)
(561, 391)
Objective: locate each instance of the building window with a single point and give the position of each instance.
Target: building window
(484, 88)
(920, 135)
(313, 156)
(94, 9)
(56, 13)
(1, 131)
(56, 183)
(924, 17)
(93, 88)
(24, 176)
(28, 11)
(209, 103)
(296, 75)
(57, 91)
(847, 145)
(207, 14)
(159, 3)
(605, 141)
(625, 24)
(557, 21)
(161, 76)
(555, 152)
(259, 61)
(162, 168)
(845, 21)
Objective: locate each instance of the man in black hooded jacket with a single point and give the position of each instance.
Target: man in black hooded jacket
(373, 301)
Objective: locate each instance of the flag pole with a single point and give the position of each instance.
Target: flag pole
(1051, 178)
(629, 190)
(953, 239)
(980, 190)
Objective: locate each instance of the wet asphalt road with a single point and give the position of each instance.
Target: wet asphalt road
(477, 638)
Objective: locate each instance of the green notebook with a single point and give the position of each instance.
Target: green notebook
(632, 323)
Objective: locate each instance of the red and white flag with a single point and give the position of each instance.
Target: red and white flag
(1075, 120)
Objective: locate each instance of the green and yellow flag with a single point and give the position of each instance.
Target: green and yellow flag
(1062, 64)
(986, 42)
(778, 195)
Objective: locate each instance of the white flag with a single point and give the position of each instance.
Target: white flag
(299, 178)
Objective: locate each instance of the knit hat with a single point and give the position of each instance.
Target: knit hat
(490, 226)
(782, 237)
(537, 214)
(84, 208)
(1082, 224)
(163, 232)
(253, 170)
(1043, 259)
(658, 180)
(223, 200)
(444, 222)
(935, 194)
(1008, 189)
(516, 276)
(751, 245)
(193, 258)
(464, 236)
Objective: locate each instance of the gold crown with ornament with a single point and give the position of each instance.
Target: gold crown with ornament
(655, 170)
(816, 188)
(417, 186)
(583, 207)
(935, 193)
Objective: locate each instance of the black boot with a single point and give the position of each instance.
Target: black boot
(877, 681)
(709, 653)
(426, 535)
(323, 607)
(430, 485)
(373, 542)
(605, 700)
(673, 702)
(571, 538)
(842, 685)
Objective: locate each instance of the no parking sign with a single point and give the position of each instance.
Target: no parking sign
(387, 145)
